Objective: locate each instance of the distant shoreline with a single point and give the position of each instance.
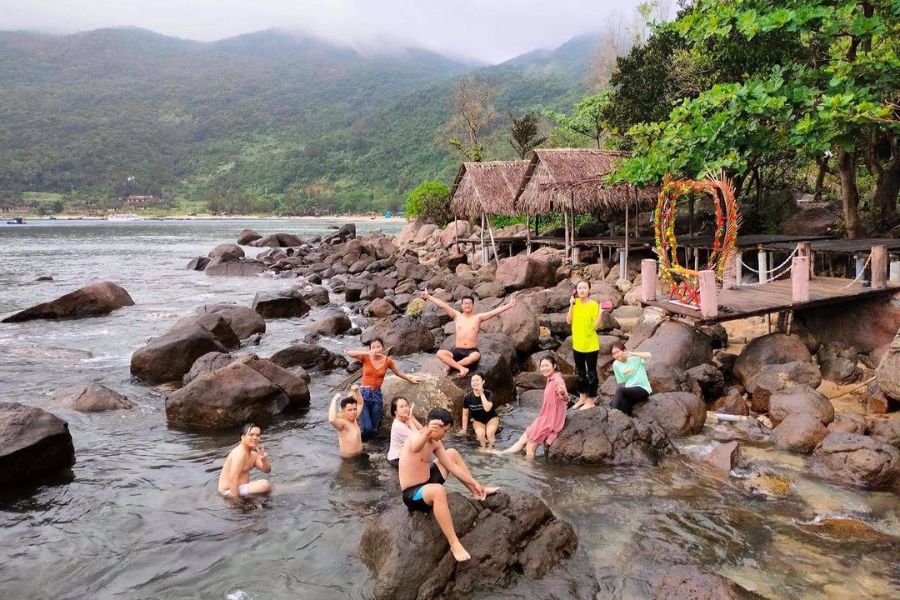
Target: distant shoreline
(202, 217)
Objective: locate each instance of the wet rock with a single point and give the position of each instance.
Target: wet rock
(247, 236)
(800, 399)
(379, 308)
(841, 370)
(774, 378)
(856, 459)
(767, 484)
(678, 346)
(309, 356)
(280, 305)
(243, 268)
(44, 278)
(34, 444)
(198, 264)
(435, 391)
(277, 240)
(226, 252)
(332, 321)
(678, 413)
(717, 333)
(887, 375)
(206, 364)
(847, 423)
(248, 389)
(216, 324)
(521, 271)
(686, 581)
(706, 381)
(404, 335)
(244, 321)
(725, 457)
(602, 435)
(732, 403)
(840, 531)
(90, 301)
(508, 535)
(171, 355)
(799, 432)
(93, 397)
(772, 349)
(887, 431)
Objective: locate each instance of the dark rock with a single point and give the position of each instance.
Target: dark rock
(435, 391)
(248, 389)
(90, 301)
(799, 432)
(864, 324)
(314, 295)
(353, 291)
(93, 397)
(725, 457)
(519, 323)
(776, 377)
(664, 378)
(887, 375)
(706, 381)
(247, 236)
(280, 305)
(678, 346)
(856, 459)
(226, 252)
(198, 264)
(310, 357)
(732, 403)
(331, 321)
(171, 355)
(508, 536)
(800, 399)
(44, 278)
(841, 370)
(244, 321)
(215, 323)
(277, 240)
(244, 268)
(678, 413)
(810, 221)
(379, 309)
(404, 335)
(415, 271)
(772, 349)
(34, 444)
(717, 333)
(601, 435)
(207, 363)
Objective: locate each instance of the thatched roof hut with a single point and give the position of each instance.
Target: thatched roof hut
(571, 179)
(486, 188)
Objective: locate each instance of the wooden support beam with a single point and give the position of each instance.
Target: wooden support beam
(709, 302)
(729, 280)
(800, 279)
(648, 280)
(879, 267)
(805, 249)
(762, 265)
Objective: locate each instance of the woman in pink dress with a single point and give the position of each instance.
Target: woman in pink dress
(552, 417)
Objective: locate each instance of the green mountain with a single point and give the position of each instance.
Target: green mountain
(264, 121)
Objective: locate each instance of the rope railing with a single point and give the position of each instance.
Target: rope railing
(861, 273)
(771, 274)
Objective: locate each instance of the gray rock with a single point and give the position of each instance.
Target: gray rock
(856, 460)
(776, 377)
(800, 399)
(281, 305)
(678, 346)
(90, 301)
(404, 335)
(772, 349)
(171, 355)
(207, 363)
(601, 435)
(800, 432)
(677, 413)
(93, 397)
(310, 357)
(34, 444)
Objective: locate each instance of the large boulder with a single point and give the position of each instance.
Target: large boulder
(280, 305)
(865, 323)
(247, 236)
(215, 323)
(277, 240)
(310, 357)
(797, 400)
(242, 268)
(34, 444)
(799, 432)
(777, 377)
(244, 321)
(887, 374)
(856, 459)
(226, 252)
(508, 535)
(93, 397)
(810, 221)
(678, 346)
(435, 391)
(90, 301)
(771, 349)
(521, 271)
(497, 366)
(706, 381)
(379, 308)
(887, 431)
(207, 363)
(404, 335)
(677, 413)
(171, 355)
(519, 323)
(455, 230)
(332, 321)
(601, 435)
(248, 389)
(315, 295)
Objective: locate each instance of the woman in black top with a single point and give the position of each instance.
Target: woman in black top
(479, 406)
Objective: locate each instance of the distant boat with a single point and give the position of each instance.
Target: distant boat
(17, 221)
(388, 214)
(125, 217)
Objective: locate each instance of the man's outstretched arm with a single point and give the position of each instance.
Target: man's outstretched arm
(439, 303)
(499, 310)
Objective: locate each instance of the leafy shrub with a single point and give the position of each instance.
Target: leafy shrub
(430, 201)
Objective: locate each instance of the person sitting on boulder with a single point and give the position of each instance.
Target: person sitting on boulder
(422, 481)
(404, 424)
(479, 406)
(465, 353)
(631, 375)
(234, 481)
(585, 316)
(375, 364)
(550, 421)
(349, 435)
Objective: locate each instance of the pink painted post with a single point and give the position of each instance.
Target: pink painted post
(879, 267)
(800, 279)
(729, 279)
(709, 302)
(648, 280)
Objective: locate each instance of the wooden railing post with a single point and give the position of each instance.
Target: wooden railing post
(709, 302)
(800, 279)
(648, 280)
(762, 264)
(805, 249)
(879, 267)
(729, 280)
(623, 264)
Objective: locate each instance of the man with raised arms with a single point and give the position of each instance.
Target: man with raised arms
(234, 481)
(349, 434)
(468, 323)
(422, 481)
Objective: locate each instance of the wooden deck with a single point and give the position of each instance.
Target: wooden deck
(779, 241)
(831, 246)
(752, 300)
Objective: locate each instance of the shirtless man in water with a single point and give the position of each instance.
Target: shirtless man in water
(234, 481)
(468, 323)
(349, 434)
(422, 481)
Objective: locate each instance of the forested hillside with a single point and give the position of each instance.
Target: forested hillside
(267, 121)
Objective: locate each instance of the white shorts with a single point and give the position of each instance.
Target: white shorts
(243, 490)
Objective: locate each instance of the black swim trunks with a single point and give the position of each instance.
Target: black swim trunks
(413, 495)
(461, 353)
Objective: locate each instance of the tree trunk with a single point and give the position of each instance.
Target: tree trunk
(820, 178)
(846, 164)
(886, 190)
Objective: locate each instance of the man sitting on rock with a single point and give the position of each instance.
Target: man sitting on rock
(465, 353)
(349, 434)
(234, 481)
(422, 481)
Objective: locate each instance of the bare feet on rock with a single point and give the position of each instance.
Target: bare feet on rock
(463, 371)
(459, 553)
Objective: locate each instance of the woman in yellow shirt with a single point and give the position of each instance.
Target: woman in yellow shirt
(585, 316)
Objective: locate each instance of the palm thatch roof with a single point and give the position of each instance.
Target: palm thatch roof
(572, 179)
(486, 187)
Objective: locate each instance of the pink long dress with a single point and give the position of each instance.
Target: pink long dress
(552, 417)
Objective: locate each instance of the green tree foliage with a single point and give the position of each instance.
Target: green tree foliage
(830, 89)
(589, 118)
(430, 201)
(524, 133)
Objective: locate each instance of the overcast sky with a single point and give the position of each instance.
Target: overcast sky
(486, 30)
